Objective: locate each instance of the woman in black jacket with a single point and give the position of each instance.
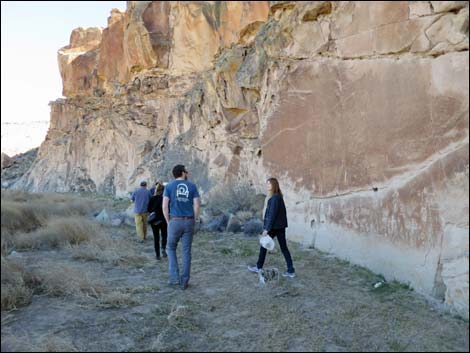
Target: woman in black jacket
(159, 224)
(275, 224)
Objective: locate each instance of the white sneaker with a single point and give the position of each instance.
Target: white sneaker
(254, 269)
(288, 274)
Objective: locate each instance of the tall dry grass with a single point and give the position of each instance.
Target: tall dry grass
(56, 280)
(24, 212)
(38, 221)
(47, 221)
(59, 280)
(20, 283)
(15, 290)
(42, 220)
(56, 233)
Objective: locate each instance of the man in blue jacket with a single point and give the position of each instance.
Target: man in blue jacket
(141, 198)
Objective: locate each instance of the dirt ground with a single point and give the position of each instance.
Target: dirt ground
(330, 306)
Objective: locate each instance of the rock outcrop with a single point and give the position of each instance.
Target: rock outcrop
(13, 168)
(360, 109)
(6, 161)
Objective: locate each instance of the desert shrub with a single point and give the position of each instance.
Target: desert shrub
(227, 198)
(56, 233)
(14, 289)
(21, 216)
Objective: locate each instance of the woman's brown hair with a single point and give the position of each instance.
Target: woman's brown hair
(275, 184)
(158, 188)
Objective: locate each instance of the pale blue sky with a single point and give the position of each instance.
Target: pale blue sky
(32, 33)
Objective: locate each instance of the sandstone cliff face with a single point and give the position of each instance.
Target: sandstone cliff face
(360, 109)
(180, 37)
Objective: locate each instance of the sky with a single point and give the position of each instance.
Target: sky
(32, 32)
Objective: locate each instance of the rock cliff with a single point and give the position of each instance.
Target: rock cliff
(360, 109)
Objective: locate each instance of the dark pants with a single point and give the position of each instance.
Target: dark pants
(162, 227)
(281, 238)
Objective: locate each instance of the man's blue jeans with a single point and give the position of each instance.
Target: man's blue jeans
(180, 229)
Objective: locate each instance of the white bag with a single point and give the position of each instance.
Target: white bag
(267, 242)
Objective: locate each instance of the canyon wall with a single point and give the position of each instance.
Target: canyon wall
(360, 109)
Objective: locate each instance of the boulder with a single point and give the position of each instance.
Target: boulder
(234, 225)
(253, 227)
(216, 224)
(103, 216)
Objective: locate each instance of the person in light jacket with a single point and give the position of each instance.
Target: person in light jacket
(275, 224)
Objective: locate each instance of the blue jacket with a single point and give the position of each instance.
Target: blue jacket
(141, 198)
(275, 216)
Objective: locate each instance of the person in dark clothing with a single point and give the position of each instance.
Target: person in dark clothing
(159, 225)
(152, 189)
(275, 224)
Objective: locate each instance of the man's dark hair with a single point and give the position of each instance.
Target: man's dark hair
(143, 183)
(178, 170)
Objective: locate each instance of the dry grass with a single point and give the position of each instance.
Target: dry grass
(116, 299)
(57, 280)
(330, 305)
(21, 216)
(237, 249)
(56, 233)
(15, 291)
(177, 320)
(20, 283)
(49, 221)
(65, 280)
(46, 343)
(56, 344)
(23, 212)
(106, 249)
(54, 203)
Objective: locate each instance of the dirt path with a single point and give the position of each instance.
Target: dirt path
(330, 306)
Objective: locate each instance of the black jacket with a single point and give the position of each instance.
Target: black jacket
(155, 205)
(275, 216)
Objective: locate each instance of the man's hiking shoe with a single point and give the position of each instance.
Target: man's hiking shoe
(288, 274)
(184, 286)
(254, 269)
